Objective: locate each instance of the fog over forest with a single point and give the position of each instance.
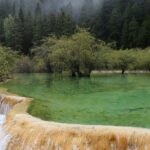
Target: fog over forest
(53, 6)
(123, 23)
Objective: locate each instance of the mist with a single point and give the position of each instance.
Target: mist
(72, 7)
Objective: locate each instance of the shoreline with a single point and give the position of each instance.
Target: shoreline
(20, 126)
(95, 72)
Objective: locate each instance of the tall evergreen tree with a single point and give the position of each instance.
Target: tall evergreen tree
(101, 24)
(68, 9)
(87, 12)
(52, 23)
(115, 26)
(124, 37)
(133, 33)
(28, 35)
(110, 21)
(18, 32)
(37, 28)
(64, 25)
(144, 34)
(9, 23)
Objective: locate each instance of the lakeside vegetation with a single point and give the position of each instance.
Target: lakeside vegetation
(78, 54)
(7, 58)
(77, 37)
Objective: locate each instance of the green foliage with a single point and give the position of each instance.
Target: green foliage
(20, 29)
(132, 59)
(41, 60)
(81, 53)
(144, 59)
(18, 32)
(123, 60)
(115, 26)
(144, 37)
(23, 64)
(126, 22)
(133, 33)
(87, 13)
(6, 62)
(64, 25)
(77, 53)
(8, 29)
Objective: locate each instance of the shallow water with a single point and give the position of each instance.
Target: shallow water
(107, 99)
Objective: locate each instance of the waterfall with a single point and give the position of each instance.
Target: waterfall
(4, 138)
(31, 133)
(21, 131)
(4, 106)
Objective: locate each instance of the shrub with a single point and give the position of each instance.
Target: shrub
(23, 65)
(7, 58)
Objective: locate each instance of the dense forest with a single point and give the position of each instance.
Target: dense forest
(125, 24)
(74, 35)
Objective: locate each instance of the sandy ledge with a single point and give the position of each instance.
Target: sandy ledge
(30, 133)
(120, 72)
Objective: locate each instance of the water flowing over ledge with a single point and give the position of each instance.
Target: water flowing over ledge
(4, 138)
(21, 131)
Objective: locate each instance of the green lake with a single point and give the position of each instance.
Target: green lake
(101, 100)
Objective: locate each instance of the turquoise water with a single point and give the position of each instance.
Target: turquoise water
(106, 99)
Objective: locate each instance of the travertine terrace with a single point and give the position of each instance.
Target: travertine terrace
(25, 132)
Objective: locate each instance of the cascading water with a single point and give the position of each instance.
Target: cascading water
(4, 106)
(4, 109)
(20, 131)
(4, 138)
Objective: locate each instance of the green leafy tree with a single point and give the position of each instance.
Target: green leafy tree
(6, 62)
(122, 60)
(145, 60)
(41, 59)
(77, 54)
(125, 34)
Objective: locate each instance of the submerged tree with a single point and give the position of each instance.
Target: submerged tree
(78, 54)
(122, 59)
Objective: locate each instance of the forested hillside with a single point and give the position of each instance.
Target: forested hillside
(124, 23)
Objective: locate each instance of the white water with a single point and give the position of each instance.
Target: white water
(4, 138)
(4, 109)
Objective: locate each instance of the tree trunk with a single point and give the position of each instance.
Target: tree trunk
(73, 74)
(79, 74)
(123, 71)
(88, 73)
